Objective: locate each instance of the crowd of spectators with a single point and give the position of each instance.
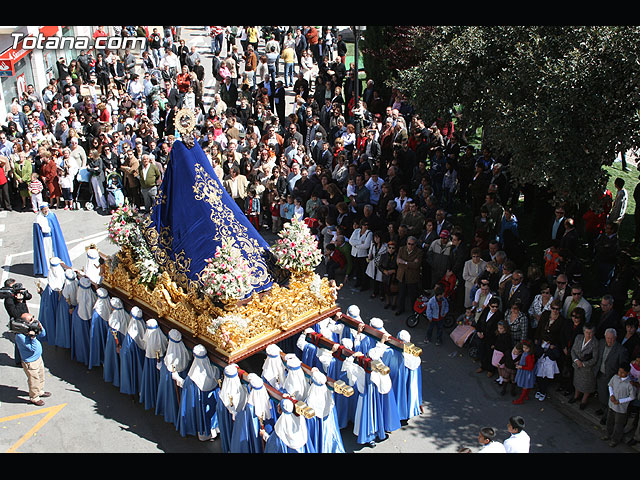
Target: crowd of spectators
(399, 203)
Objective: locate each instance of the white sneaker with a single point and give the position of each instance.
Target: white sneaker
(541, 397)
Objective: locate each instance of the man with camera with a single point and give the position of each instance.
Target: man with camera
(15, 303)
(27, 340)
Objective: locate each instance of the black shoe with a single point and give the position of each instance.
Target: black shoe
(599, 412)
(387, 306)
(573, 400)
(399, 312)
(583, 406)
(632, 442)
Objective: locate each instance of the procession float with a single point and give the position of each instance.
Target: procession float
(196, 264)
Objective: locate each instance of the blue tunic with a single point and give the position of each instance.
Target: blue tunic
(245, 437)
(345, 406)
(63, 324)
(275, 445)
(111, 364)
(131, 364)
(406, 385)
(197, 414)
(309, 356)
(324, 434)
(167, 403)
(49, 300)
(98, 331)
(379, 414)
(80, 333)
(149, 383)
(225, 424)
(40, 260)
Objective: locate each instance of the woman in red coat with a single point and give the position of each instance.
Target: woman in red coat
(49, 177)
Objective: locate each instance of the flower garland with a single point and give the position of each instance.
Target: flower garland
(227, 275)
(297, 250)
(124, 231)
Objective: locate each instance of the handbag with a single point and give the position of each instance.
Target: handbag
(394, 285)
(495, 359)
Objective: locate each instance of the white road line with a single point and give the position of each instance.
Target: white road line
(77, 251)
(103, 234)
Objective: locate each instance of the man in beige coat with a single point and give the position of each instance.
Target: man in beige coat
(408, 274)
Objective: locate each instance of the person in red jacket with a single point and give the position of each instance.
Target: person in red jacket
(525, 372)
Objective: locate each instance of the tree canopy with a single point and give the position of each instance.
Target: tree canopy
(559, 101)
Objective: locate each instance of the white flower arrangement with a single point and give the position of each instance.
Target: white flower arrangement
(297, 250)
(227, 275)
(232, 319)
(315, 287)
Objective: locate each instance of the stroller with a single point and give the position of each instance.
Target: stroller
(420, 306)
(115, 195)
(84, 180)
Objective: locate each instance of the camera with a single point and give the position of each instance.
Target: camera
(12, 291)
(17, 325)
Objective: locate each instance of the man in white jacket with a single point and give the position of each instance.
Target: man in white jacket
(360, 242)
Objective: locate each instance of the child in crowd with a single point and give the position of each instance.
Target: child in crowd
(276, 219)
(66, 185)
(286, 209)
(252, 208)
(507, 369)
(467, 318)
(311, 208)
(35, 190)
(298, 209)
(437, 309)
(502, 345)
(525, 372)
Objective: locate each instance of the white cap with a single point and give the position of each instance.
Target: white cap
(353, 311)
(377, 323)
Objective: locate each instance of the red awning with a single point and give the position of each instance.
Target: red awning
(49, 31)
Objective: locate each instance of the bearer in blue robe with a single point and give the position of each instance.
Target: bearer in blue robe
(368, 342)
(155, 349)
(81, 321)
(273, 371)
(132, 354)
(295, 383)
(323, 430)
(406, 379)
(345, 370)
(99, 328)
(50, 298)
(48, 241)
(258, 413)
(289, 433)
(200, 390)
(233, 397)
(307, 351)
(377, 411)
(118, 324)
(68, 303)
(175, 365)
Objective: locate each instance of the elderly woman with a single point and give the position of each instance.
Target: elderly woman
(584, 355)
(518, 322)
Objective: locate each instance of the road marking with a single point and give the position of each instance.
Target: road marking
(93, 238)
(50, 413)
